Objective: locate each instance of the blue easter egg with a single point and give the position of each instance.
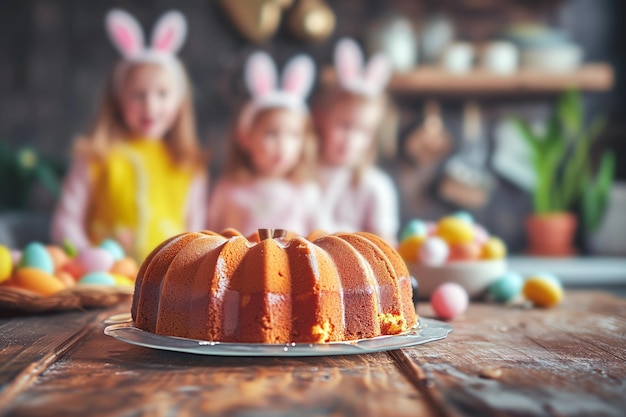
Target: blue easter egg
(100, 278)
(35, 255)
(414, 228)
(506, 288)
(465, 216)
(114, 248)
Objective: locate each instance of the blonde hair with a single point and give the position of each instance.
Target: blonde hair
(240, 167)
(109, 127)
(384, 141)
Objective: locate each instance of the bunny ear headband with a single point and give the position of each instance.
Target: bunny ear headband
(367, 80)
(167, 38)
(262, 81)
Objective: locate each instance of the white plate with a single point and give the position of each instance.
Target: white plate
(124, 330)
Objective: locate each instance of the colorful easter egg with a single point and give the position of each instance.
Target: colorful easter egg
(494, 248)
(114, 248)
(431, 228)
(66, 278)
(127, 267)
(544, 290)
(6, 263)
(449, 300)
(454, 230)
(69, 248)
(98, 277)
(74, 268)
(481, 236)
(465, 216)
(414, 228)
(95, 259)
(35, 255)
(506, 288)
(409, 248)
(58, 256)
(433, 252)
(122, 280)
(16, 255)
(464, 252)
(37, 280)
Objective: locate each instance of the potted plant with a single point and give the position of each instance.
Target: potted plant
(565, 180)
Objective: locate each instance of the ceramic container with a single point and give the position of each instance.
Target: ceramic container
(473, 276)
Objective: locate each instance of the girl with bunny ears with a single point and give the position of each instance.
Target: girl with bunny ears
(269, 180)
(138, 176)
(349, 117)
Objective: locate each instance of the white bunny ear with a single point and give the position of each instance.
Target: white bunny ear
(299, 75)
(170, 32)
(348, 60)
(125, 32)
(378, 71)
(260, 74)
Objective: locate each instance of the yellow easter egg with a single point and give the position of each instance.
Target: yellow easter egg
(454, 230)
(542, 291)
(122, 280)
(37, 281)
(494, 248)
(409, 247)
(6, 263)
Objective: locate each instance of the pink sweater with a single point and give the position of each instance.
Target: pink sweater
(264, 203)
(369, 206)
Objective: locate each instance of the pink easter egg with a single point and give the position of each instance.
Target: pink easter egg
(16, 255)
(95, 260)
(480, 234)
(449, 300)
(431, 228)
(434, 251)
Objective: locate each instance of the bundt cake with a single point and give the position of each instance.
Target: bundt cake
(273, 287)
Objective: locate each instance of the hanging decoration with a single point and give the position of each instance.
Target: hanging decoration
(259, 20)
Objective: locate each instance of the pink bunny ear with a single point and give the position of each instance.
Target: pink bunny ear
(170, 32)
(299, 75)
(125, 33)
(260, 74)
(378, 71)
(348, 60)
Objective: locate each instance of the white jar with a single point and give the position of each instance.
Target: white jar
(500, 57)
(458, 57)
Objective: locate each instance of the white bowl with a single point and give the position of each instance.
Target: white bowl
(473, 276)
(553, 59)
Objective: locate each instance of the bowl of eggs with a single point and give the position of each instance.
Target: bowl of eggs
(452, 250)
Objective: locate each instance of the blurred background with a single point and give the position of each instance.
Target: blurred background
(464, 69)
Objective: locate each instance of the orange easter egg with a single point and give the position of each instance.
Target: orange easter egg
(469, 251)
(127, 267)
(58, 255)
(409, 247)
(38, 281)
(66, 278)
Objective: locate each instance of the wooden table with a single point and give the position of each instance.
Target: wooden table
(499, 361)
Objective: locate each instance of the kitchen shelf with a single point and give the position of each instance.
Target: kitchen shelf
(432, 80)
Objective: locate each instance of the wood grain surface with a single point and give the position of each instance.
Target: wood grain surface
(499, 361)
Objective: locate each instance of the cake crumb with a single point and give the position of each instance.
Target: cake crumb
(490, 373)
(321, 333)
(391, 323)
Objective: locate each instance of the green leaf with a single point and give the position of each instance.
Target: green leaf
(570, 110)
(596, 193)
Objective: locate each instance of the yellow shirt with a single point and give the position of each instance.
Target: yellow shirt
(138, 197)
